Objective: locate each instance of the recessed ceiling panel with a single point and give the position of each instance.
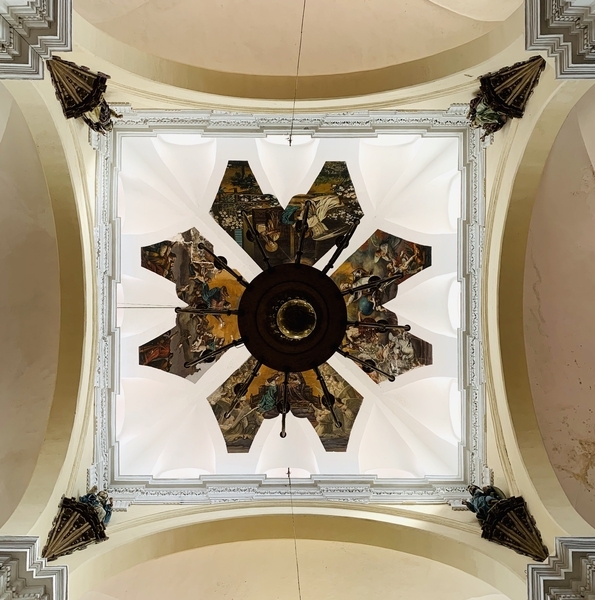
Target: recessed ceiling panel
(191, 410)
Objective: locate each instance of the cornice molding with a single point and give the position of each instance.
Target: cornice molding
(30, 33)
(566, 32)
(568, 575)
(25, 575)
(217, 489)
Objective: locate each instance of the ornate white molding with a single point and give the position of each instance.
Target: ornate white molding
(568, 575)
(229, 488)
(566, 31)
(31, 32)
(24, 574)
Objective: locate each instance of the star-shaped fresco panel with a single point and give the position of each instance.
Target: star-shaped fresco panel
(202, 283)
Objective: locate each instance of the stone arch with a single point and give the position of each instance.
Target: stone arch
(530, 470)
(459, 547)
(314, 87)
(42, 122)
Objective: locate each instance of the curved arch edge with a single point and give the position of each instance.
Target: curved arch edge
(452, 546)
(523, 153)
(70, 412)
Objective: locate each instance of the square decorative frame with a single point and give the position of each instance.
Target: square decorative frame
(347, 488)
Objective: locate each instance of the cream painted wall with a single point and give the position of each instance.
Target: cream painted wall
(29, 305)
(558, 306)
(266, 570)
(143, 532)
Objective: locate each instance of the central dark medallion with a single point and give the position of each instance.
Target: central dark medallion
(292, 317)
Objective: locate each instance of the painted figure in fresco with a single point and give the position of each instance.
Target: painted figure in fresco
(345, 415)
(296, 389)
(366, 301)
(396, 256)
(324, 421)
(101, 502)
(270, 232)
(409, 265)
(334, 206)
(204, 343)
(157, 353)
(217, 297)
(159, 259)
(242, 424)
(321, 207)
(482, 499)
(290, 214)
(268, 401)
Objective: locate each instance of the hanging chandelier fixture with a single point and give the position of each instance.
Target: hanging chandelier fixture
(292, 318)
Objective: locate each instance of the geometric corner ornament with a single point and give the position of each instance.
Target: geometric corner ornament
(504, 94)
(30, 32)
(80, 93)
(506, 521)
(78, 524)
(566, 30)
(24, 574)
(568, 575)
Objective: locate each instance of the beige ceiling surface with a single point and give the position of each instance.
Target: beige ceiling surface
(558, 307)
(29, 305)
(261, 37)
(266, 570)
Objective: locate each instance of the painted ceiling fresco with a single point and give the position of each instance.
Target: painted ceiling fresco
(382, 255)
(305, 397)
(201, 284)
(175, 191)
(198, 283)
(334, 208)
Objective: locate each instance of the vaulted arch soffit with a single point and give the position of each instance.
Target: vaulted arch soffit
(457, 547)
(522, 158)
(63, 165)
(473, 41)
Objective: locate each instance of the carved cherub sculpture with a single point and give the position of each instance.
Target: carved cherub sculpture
(482, 499)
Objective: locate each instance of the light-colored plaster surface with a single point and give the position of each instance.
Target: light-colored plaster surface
(261, 37)
(266, 570)
(559, 307)
(29, 305)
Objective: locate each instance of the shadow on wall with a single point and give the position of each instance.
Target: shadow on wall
(29, 305)
(559, 324)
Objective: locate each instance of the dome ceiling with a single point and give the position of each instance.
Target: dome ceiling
(178, 191)
(260, 37)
